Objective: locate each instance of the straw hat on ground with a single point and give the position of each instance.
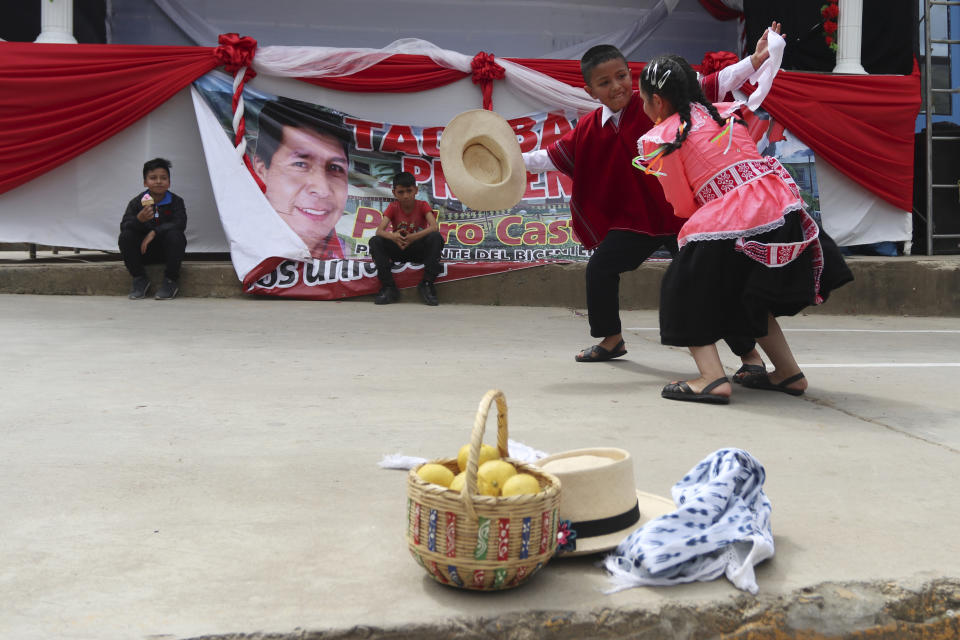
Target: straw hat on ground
(599, 496)
(481, 161)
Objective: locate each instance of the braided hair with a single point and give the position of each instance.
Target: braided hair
(672, 77)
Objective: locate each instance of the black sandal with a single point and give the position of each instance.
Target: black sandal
(763, 383)
(682, 391)
(596, 353)
(748, 370)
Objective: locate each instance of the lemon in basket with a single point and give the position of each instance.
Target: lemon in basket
(484, 488)
(487, 452)
(435, 473)
(520, 484)
(496, 472)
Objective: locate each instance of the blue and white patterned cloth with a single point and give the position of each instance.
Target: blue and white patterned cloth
(721, 526)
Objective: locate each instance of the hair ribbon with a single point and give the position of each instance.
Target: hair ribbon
(650, 163)
(726, 131)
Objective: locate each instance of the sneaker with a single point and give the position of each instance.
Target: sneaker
(168, 290)
(428, 293)
(387, 295)
(139, 288)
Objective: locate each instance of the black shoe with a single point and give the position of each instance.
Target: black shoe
(387, 295)
(168, 290)
(139, 288)
(428, 293)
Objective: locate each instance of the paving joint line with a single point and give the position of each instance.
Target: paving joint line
(874, 421)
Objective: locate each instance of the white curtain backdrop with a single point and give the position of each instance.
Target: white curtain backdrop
(628, 39)
(507, 28)
(852, 215)
(199, 30)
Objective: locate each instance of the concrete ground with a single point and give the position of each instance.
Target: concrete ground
(208, 468)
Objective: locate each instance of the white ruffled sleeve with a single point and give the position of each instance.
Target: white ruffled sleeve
(763, 77)
(538, 161)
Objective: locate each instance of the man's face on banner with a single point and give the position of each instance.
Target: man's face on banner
(307, 183)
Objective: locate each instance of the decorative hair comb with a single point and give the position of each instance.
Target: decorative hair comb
(663, 79)
(652, 73)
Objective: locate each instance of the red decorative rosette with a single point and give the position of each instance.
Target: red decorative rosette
(235, 52)
(485, 68)
(485, 71)
(830, 13)
(716, 60)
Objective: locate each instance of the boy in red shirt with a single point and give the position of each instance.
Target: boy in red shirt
(415, 237)
(619, 214)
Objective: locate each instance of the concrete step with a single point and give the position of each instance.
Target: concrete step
(911, 285)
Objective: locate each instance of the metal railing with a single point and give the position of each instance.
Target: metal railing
(928, 111)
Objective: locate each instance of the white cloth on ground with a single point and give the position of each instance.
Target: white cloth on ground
(721, 526)
(517, 451)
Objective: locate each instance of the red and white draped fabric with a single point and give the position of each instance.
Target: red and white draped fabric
(59, 101)
(863, 125)
(417, 65)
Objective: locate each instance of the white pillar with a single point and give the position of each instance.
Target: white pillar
(56, 22)
(849, 35)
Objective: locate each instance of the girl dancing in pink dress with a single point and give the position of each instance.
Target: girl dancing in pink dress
(749, 251)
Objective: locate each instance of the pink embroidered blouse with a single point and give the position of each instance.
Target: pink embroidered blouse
(725, 189)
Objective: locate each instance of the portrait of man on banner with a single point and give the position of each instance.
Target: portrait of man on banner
(300, 220)
(302, 155)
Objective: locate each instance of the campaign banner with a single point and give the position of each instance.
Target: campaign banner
(326, 180)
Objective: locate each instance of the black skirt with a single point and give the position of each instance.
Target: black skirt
(712, 291)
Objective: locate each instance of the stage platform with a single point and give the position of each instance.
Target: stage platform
(907, 285)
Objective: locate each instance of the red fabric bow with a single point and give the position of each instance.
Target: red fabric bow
(485, 71)
(715, 60)
(235, 52)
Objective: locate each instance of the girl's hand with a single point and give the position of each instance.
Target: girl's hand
(762, 52)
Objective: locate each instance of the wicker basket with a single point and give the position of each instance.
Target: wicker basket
(482, 542)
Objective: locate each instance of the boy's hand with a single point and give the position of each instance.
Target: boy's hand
(401, 240)
(146, 241)
(145, 213)
(761, 52)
